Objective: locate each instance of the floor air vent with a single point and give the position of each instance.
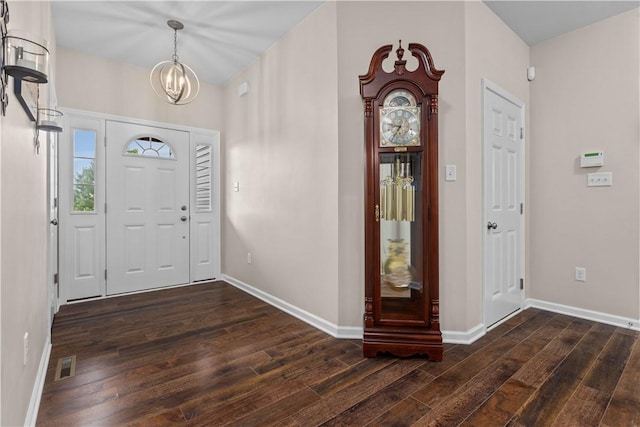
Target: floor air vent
(66, 367)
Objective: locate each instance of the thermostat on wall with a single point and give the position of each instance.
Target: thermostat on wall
(592, 159)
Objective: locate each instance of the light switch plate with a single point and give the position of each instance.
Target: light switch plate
(450, 173)
(600, 179)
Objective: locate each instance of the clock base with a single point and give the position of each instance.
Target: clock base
(403, 344)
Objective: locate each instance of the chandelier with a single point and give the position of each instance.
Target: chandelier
(173, 81)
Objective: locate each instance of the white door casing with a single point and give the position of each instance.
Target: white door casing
(147, 210)
(83, 235)
(53, 281)
(503, 182)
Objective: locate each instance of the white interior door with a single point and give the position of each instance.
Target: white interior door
(147, 207)
(503, 181)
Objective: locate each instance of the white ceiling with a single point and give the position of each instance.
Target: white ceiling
(536, 21)
(222, 37)
(219, 38)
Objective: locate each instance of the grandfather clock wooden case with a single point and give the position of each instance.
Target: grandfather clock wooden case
(401, 206)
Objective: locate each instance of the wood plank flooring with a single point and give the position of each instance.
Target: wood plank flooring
(211, 355)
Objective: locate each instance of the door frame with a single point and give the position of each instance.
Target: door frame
(196, 136)
(488, 85)
(53, 237)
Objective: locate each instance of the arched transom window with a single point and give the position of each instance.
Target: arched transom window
(149, 146)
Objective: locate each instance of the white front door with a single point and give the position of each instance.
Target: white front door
(147, 197)
(503, 183)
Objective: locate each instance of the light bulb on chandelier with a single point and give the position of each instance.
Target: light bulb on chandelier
(173, 81)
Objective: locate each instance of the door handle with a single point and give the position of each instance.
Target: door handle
(183, 218)
(492, 225)
(183, 207)
(54, 221)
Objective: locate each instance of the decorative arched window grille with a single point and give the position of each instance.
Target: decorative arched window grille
(148, 146)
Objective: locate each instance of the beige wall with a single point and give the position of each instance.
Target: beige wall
(585, 97)
(23, 237)
(90, 83)
(440, 27)
(281, 145)
(258, 149)
(467, 41)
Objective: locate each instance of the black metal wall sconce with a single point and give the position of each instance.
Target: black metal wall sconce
(26, 59)
(48, 121)
(4, 20)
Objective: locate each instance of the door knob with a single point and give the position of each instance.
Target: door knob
(54, 221)
(492, 225)
(183, 218)
(184, 207)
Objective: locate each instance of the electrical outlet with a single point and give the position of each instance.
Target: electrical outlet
(581, 274)
(248, 257)
(25, 349)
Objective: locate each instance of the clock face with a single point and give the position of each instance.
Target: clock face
(399, 120)
(399, 126)
(400, 98)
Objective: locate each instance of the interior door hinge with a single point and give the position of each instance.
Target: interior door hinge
(521, 283)
(521, 208)
(55, 278)
(105, 208)
(521, 133)
(55, 202)
(105, 274)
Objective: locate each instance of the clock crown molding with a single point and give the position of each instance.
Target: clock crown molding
(426, 73)
(400, 63)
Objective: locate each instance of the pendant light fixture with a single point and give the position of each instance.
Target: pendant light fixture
(173, 81)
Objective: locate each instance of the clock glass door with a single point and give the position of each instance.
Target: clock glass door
(402, 257)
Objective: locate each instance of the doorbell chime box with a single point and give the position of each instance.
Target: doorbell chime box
(592, 159)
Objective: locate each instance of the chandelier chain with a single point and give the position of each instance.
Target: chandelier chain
(175, 46)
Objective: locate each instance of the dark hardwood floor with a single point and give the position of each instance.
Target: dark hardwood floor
(210, 355)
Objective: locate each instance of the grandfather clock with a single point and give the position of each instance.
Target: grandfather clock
(401, 206)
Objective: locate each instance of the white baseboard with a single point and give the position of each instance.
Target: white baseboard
(38, 386)
(466, 337)
(450, 337)
(596, 316)
(348, 332)
(310, 318)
